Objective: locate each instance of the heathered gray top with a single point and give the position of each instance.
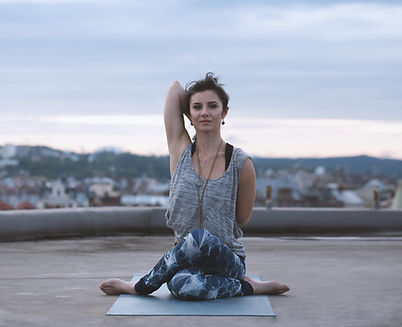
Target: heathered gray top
(219, 205)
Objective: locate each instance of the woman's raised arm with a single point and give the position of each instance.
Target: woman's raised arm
(176, 133)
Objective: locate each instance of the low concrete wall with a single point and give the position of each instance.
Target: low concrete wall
(35, 224)
(324, 220)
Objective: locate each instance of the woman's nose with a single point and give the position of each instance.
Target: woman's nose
(204, 111)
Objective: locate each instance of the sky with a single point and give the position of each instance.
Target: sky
(305, 78)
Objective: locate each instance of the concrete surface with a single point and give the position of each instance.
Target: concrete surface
(334, 281)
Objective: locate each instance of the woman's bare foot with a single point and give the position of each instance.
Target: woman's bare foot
(270, 288)
(117, 286)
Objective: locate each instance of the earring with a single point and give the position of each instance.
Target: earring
(223, 122)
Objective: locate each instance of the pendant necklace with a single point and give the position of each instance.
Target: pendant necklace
(199, 183)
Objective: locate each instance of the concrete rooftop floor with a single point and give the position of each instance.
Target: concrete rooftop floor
(334, 281)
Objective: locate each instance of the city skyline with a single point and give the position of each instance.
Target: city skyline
(306, 78)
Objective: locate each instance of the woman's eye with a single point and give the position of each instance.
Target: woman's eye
(197, 107)
(213, 105)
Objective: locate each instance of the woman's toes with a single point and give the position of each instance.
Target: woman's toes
(280, 289)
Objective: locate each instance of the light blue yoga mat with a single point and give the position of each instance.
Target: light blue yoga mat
(162, 303)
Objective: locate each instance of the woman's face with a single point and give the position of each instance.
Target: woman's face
(206, 110)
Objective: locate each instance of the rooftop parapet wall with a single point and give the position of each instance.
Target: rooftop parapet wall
(21, 225)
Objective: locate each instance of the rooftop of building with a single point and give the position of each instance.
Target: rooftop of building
(338, 280)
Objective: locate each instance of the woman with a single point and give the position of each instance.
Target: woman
(212, 194)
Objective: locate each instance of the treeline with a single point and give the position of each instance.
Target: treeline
(50, 163)
(102, 164)
(359, 165)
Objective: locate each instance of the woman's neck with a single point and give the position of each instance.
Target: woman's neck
(207, 144)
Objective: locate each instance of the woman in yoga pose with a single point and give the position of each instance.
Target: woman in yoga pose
(212, 194)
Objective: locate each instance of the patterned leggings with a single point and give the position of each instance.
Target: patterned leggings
(199, 267)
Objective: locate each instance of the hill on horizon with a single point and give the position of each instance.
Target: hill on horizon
(391, 168)
(47, 161)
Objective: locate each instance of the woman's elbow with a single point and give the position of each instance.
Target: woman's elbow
(175, 86)
(243, 220)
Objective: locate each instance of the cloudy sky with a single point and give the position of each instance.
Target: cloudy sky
(306, 78)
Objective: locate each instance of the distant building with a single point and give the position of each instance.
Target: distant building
(102, 192)
(8, 151)
(349, 198)
(286, 197)
(367, 192)
(320, 171)
(25, 206)
(284, 182)
(397, 201)
(146, 185)
(56, 196)
(9, 193)
(5, 206)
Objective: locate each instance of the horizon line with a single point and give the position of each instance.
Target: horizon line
(117, 150)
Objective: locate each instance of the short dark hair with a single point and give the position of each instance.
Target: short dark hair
(210, 82)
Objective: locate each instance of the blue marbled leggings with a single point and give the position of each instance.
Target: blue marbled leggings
(199, 267)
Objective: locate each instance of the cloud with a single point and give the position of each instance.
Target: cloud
(279, 137)
(49, 2)
(311, 60)
(142, 134)
(143, 120)
(235, 21)
(345, 21)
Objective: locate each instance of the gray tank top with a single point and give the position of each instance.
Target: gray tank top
(219, 205)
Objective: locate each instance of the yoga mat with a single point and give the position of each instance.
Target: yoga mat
(163, 303)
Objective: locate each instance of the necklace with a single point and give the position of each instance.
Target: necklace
(199, 183)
